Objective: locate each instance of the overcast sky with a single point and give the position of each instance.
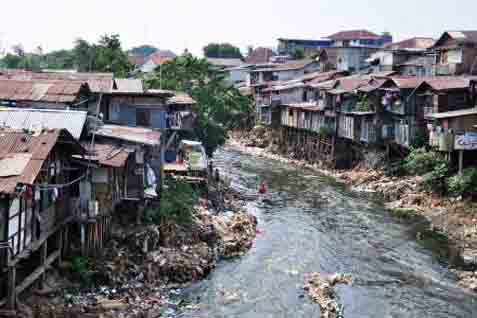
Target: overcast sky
(177, 24)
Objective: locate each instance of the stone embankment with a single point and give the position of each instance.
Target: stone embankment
(456, 219)
(145, 267)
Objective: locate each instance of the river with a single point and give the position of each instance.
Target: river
(313, 224)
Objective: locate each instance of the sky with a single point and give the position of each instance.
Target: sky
(192, 24)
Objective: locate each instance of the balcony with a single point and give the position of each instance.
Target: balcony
(443, 69)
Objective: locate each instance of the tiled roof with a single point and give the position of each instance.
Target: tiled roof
(143, 136)
(37, 119)
(40, 90)
(13, 142)
(107, 154)
(416, 43)
(353, 34)
(160, 58)
(441, 83)
(259, 56)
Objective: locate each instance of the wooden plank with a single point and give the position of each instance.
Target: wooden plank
(37, 244)
(37, 273)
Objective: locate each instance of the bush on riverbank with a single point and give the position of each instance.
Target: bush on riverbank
(177, 203)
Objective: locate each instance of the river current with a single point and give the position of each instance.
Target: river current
(312, 224)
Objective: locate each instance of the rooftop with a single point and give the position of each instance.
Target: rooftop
(51, 91)
(107, 154)
(416, 43)
(39, 119)
(22, 155)
(353, 34)
(128, 85)
(137, 135)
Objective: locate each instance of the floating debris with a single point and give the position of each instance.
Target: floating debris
(321, 290)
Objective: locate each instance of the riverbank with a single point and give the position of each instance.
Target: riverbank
(455, 219)
(144, 268)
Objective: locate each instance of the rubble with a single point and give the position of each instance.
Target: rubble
(144, 267)
(320, 289)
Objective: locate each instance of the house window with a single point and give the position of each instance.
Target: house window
(143, 117)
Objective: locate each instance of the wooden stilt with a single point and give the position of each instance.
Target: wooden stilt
(43, 257)
(12, 273)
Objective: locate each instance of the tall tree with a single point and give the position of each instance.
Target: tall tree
(218, 103)
(222, 50)
(110, 57)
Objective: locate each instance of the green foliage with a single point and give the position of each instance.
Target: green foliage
(61, 59)
(219, 104)
(299, 54)
(105, 56)
(420, 161)
(436, 179)
(363, 105)
(222, 50)
(395, 168)
(463, 185)
(178, 200)
(80, 269)
(110, 57)
(420, 139)
(143, 50)
(326, 131)
(404, 213)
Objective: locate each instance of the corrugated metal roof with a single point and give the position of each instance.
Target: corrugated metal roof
(38, 146)
(107, 154)
(40, 90)
(97, 82)
(37, 119)
(137, 135)
(128, 85)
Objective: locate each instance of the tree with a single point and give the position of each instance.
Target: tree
(219, 104)
(110, 57)
(222, 50)
(83, 55)
(12, 61)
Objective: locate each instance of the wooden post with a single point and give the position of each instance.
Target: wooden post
(461, 161)
(12, 273)
(60, 246)
(43, 256)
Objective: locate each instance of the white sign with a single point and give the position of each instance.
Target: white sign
(467, 141)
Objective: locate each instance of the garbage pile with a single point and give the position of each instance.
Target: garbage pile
(236, 232)
(321, 291)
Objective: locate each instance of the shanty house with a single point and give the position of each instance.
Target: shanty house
(280, 71)
(44, 94)
(157, 109)
(38, 198)
(456, 53)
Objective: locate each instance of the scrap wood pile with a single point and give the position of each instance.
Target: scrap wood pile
(322, 292)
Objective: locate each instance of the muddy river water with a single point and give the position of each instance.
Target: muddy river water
(312, 224)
